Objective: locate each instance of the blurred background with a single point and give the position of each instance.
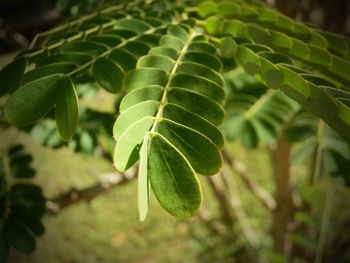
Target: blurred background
(21, 20)
(227, 229)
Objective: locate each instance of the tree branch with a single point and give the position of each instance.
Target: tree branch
(263, 196)
(73, 196)
(236, 203)
(213, 225)
(220, 197)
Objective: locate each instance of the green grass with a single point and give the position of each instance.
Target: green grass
(107, 229)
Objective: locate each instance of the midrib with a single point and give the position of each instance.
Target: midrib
(170, 78)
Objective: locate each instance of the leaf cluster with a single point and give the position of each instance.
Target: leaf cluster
(22, 205)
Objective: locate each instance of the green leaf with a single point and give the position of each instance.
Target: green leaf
(299, 49)
(66, 111)
(320, 103)
(194, 121)
(164, 51)
(235, 27)
(17, 149)
(30, 221)
(109, 40)
(318, 80)
(75, 58)
(143, 183)
(318, 40)
(10, 76)
(123, 33)
(200, 70)
(299, 133)
(170, 41)
(87, 48)
(126, 152)
(198, 104)
(137, 48)
(258, 34)
(202, 46)
(281, 41)
(209, 60)
(86, 142)
(25, 172)
(131, 24)
(151, 39)
(340, 67)
(19, 237)
(228, 47)
(320, 56)
(256, 48)
(213, 24)
(175, 94)
(21, 112)
(201, 153)
(21, 160)
(337, 43)
(172, 178)
(108, 74)
(248, 59)
(206, 8)
(294, 85)
(200, 85)
(156, 61)
(178, 32)
(133, 114)
(140, 78)
(139, 95)
(271, 74)
(123, 58)
(227, 9)
(250, 138)
(276, 58)
(26, 191)
(46, 71)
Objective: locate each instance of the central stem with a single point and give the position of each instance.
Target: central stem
(109, 51)
(170, 78)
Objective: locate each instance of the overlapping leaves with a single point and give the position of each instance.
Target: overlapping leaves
(174, 97)
(51, 83)
(170, 113)
(328, 151)
(22, 205)
(254, 113)
(282, 51)
(95, 129)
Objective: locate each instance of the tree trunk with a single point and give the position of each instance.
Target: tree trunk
(336, 13)
(290, 8)
(281, 174)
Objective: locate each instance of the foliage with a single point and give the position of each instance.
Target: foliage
(178, 69)
(22, 204)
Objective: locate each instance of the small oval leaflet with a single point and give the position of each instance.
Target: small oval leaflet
(66, 111)
(108, 74)
(21, 112)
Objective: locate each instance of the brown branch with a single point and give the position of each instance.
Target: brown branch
(220, 197)
(263, 196)
(73, 196)
(280, 157)
(236, 203)
(213, 225)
